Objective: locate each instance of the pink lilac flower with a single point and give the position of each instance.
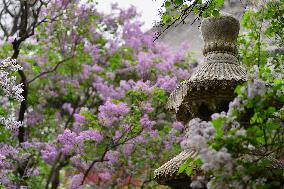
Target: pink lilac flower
(67, 107)
(110, 75)
(104, 89)
(33, 144)
(145, 62)
(25, 64)
(89, 135)
(76, 182)
(181, 74)
(146, 122)
(49, 153)
(154, 133)
(68, 140)
(8, 151)
(139, 139)
(167, 83)
(11, 39)
(127, 149)
(128, 13)
(53, 93)
(34, 118)
(111, 112)
(147, 107)
(79, 119)
(6, 181)
(132, 35)
(4, 164)
(144, 86)
(111, 156)
(78, 163)
(167, 145)
(125, 85)
(117, 135)
(178, 125)
(105, 176)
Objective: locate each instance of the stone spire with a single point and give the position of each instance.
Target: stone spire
(211, 86)
(209, 90)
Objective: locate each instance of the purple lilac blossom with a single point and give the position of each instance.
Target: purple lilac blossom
(89, 135)
(111, 112)
(76, 182)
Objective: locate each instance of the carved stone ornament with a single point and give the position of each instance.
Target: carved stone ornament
(207, 91)
(211, 87)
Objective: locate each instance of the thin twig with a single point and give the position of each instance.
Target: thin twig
(49, 71)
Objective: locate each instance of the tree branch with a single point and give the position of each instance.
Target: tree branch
(183, 16)
(49, 71)
(94, 162)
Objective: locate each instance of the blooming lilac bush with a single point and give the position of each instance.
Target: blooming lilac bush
(94, 110)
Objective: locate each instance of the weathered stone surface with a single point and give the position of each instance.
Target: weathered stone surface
(211, 86)
(170, 168)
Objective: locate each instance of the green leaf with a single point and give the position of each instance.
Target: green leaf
(188, 171)
(256, 118)
(166, 18)
(238, 89)
(2, 111)
(178, 2)
(216, 13)
(167, 3)
(194, 9)
(205, 14)
(271, 110)
(198, 162)
(182, 168)
(218, 123)
(220, 3)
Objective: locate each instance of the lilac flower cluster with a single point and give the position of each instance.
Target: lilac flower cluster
(197, 134)
(11, 89)
(111, 112)
(10, 122)
(69, 143)
(7, 82)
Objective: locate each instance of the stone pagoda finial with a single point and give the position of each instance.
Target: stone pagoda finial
(211, 86)
(209, 90)
(220, 34)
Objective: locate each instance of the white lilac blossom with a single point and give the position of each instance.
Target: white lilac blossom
(235, 105)
(216, 160)
(256, 87)
(32, 172)
(197, 135)
(10, 122)
(10, 89)
(7, 82)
